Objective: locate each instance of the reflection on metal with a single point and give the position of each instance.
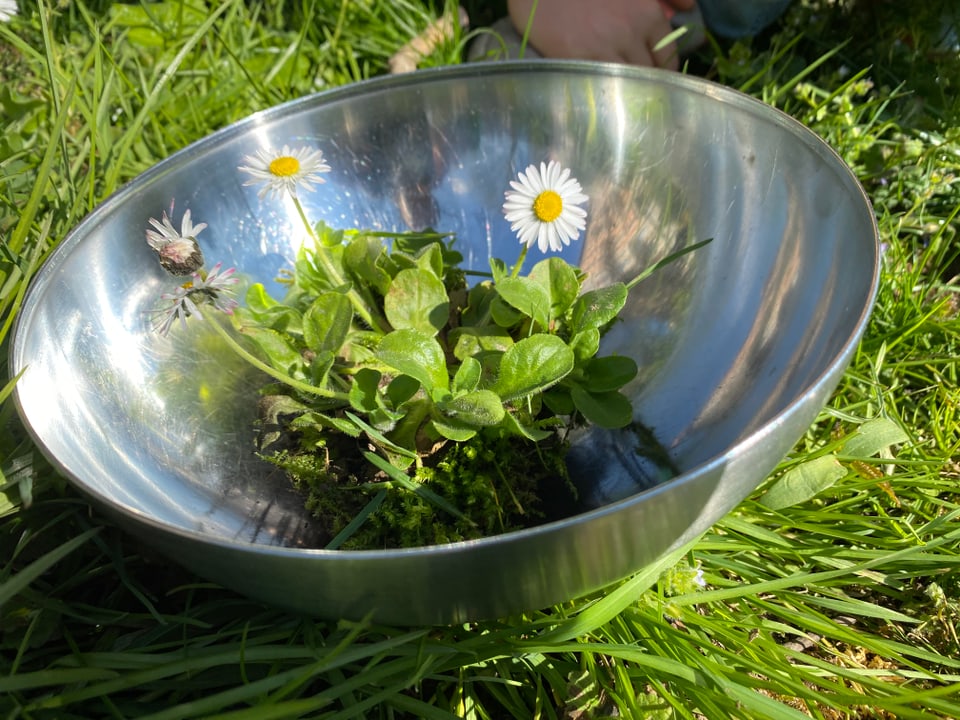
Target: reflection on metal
(740, 343)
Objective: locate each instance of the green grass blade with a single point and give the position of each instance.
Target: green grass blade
(16, 583)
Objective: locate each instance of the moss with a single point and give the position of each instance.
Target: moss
(498, 484)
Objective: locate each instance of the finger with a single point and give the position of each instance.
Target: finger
(665, 56)
(637, 55)
(642, 48)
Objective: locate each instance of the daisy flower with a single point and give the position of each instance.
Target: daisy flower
(214, 288)
(8, 10)
(178, 251)
(285, 171)
(544, 207)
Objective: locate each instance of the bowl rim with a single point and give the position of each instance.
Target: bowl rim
(477, 69)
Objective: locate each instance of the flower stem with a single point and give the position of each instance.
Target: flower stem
(519, 264)
(272, 372)
(371, 317)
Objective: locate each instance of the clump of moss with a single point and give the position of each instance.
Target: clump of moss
(496, 484)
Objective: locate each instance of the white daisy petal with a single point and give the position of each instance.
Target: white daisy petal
(8, 10)
(542, 242)
(565, 229)
(535, 179)
(543, 207)
(178, 252)
(527, 233)
(215, 287)
(545, 172)
(557, 241)
(285, 171)
(554, 175)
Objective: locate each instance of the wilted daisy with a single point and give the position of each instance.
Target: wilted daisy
(178, 251)
(285, 171)
(214, 288)
(544, 207)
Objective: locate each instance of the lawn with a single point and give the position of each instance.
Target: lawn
(838, 601)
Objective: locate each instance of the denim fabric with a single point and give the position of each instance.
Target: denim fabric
(739, 18)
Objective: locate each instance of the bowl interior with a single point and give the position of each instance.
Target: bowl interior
(730, 339)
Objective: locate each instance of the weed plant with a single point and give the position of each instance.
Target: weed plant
(831, 592)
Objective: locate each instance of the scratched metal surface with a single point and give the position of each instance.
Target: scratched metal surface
(739, 343)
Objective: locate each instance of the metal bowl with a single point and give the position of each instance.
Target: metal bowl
(740, 343)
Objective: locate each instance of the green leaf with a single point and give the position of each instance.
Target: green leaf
(595, 308)
(415, 412)
(585, 345)
(418, 355)
(327, 421)
(471, 341)
(468, 376)
(606, 409)
(533, 365)
(503, 314)
(803, 482)
(558, 400)
(379, 438)
(480, 408)
(874, 436)
(499, 270)
(145, 24)
(320, 367)
(327, 322)
(329, 237)
(277, 347)
(417, 300)
(267, 311)
(16, 106)
(384, 420)
(258, 299)
(401, 389)
(412, 242)
(402, 261)
(610, 373)
(530, 298)
(452, 430)
(516, 427)
(560, 281)
(477, 311)
(363, 390)
(430, 258)
(363, 258)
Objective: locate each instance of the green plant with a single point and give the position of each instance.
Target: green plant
(398, 387)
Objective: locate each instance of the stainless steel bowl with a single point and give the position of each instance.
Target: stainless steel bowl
(740, 343)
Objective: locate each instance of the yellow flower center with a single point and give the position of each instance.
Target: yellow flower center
(285, 166)
(188, 285)
(548, 206)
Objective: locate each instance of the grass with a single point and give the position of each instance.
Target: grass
(840, 599)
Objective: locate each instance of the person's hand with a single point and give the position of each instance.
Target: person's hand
(624, 31)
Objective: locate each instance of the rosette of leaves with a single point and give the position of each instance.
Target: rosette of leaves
(441, 410)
